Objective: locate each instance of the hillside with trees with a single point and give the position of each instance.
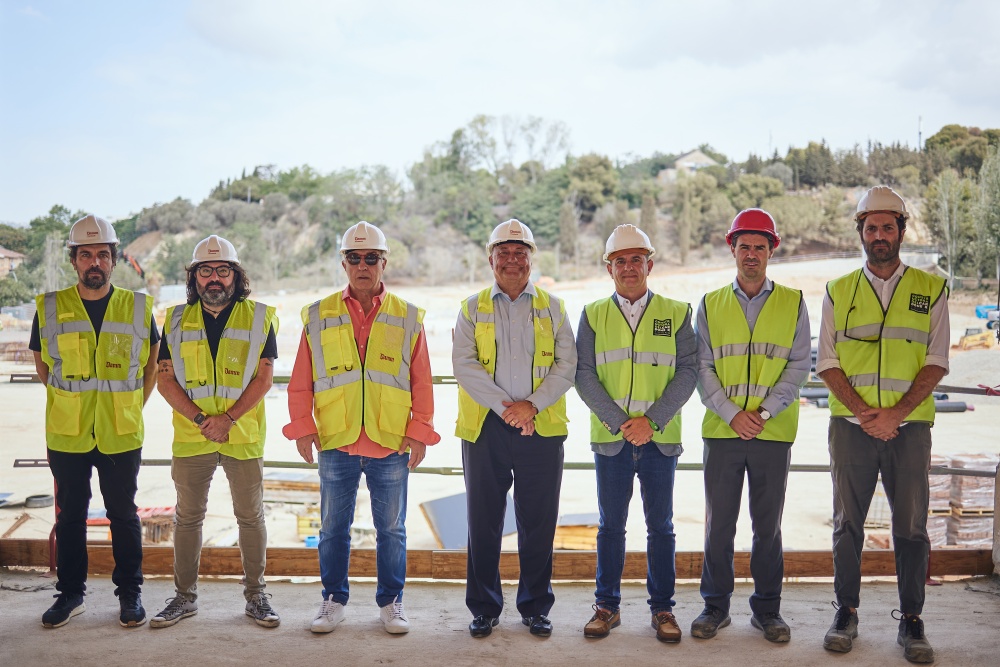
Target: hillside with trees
(286, 223)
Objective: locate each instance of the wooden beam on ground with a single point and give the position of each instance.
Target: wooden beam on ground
(441, 564)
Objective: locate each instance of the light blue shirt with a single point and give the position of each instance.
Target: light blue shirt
(515, 335)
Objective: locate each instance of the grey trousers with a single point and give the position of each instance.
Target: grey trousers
(856, 461)
(765, 464)
(192, 477)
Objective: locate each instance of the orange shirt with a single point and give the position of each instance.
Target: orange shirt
(300, 387)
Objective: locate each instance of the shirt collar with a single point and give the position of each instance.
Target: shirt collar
(895, 274)
(768, 286)
(641, 301)
(529, 290)
(377, 299)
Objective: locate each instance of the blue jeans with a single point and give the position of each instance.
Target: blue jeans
(339, 475)
(614, 491)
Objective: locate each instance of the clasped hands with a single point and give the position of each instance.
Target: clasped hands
(520, 414)
(881, 423)
(216, 427)
(637, 431)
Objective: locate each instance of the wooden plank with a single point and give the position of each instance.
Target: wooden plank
(444, 564)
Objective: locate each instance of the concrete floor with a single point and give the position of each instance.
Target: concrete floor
(962, 621)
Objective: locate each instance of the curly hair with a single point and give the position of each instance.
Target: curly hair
(240, 281)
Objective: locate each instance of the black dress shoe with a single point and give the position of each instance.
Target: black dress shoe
(482, 626)
(540, 625)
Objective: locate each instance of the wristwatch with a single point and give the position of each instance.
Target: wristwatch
(200, 418)
(764, 414)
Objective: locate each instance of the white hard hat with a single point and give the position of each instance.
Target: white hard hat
(881, 199)
(91, 229)
(214, 249)
(626, 237)
(512, 230)
(363, 236)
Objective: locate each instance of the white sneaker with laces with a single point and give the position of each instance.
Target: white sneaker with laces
(329, 616)
(394, 618)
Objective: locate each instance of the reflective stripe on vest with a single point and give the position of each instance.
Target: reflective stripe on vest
(749, 365)
(881, 352)
(95, 383)
(635, 368)
(349, 395)
(479, 310)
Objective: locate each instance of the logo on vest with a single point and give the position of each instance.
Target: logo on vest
(230, 371)
(663, 328)
(384, 357)
(108, 364)
(546, 354)
(920, 303)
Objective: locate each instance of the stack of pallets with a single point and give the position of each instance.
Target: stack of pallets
(971, 521)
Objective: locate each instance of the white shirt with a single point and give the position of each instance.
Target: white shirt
(633, 311)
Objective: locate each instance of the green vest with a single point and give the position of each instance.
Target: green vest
(749, 365)
(215, 387)
(94, 394)
(478, 309)
(881, 352)
(349, 394)
(635, 368)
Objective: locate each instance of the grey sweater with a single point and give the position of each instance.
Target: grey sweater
(669, 404)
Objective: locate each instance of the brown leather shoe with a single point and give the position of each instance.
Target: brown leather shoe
(602, 622)
(666, 627)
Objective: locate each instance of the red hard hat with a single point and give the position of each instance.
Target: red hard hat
(754, 220)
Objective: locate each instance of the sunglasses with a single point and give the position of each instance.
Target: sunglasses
(371, 259)
(221, 271)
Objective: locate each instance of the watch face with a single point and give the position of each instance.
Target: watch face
(765, 414)
(199, 418)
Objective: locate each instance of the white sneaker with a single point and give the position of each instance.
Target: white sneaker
(394, 618)
(329, 616)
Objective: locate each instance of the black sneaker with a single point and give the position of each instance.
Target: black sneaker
(840, 636)
(774, 627)
(911, 637)
(132, 614)
(66, 606)
(709, 621)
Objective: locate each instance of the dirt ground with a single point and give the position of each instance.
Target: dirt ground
(962, 620)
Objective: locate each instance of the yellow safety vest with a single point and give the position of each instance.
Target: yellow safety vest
(95, 386)
(635, 368)
(216, 386)
(348, 394)
(881, 352)
(478, 309)
(749, 365)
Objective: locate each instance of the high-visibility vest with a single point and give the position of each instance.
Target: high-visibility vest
(881, 352)
(546, 320)
(749, 365)
(348, 394)
(216, 386)
(635, 368)
(94, 393)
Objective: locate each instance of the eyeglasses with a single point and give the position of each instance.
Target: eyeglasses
(371, 259)
(221, 271)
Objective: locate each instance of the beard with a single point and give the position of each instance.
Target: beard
(882, 252)
(216, 294)
(94, 279)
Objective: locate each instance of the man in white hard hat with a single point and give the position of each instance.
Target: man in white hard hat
(214, 370)
(361, 395)
(514, 360)
(753, 356)
(636, 368)
(883, 347)
(95, 350)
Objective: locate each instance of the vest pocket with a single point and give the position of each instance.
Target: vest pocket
(331, 411)
(393, 416)
(74, 354)
(64, 413)
(246, 430)
(128, 412)
(195, 364)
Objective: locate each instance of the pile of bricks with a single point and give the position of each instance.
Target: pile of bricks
(971, 520)
(939, 510)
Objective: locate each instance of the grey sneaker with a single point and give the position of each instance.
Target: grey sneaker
(259, 609)
(774, 627)
(177, 608)
(709, 621)
(844, 629)
(66, 606)
(911, 637)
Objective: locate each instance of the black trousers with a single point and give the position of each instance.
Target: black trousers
(533, 464)
(118, 478)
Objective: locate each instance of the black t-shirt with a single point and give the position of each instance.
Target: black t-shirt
(95, 310)
(214, 326)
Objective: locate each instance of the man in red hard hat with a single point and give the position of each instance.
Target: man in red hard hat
(883, 346)
(753, 357)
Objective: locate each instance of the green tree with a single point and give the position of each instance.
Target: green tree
(948, 212)
(14, 292)
(750, 190)
(987, 212)
(593, 181)
(539, 205)
(851, 169)
(569, 229)
(703, 211)
(14, 238)
(798, 219)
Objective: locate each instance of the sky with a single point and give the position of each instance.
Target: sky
(113, 106)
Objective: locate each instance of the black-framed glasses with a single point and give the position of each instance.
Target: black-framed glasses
(221, 271)
(371, 259)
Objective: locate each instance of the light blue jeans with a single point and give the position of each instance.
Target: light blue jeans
(340, 475)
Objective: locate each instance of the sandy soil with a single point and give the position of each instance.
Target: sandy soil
(808, 506)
